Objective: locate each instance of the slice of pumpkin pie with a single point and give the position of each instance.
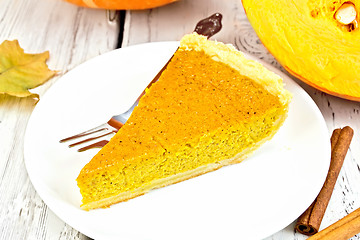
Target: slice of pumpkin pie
(210, 108)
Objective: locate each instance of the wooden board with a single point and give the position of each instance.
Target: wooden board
(74, 35)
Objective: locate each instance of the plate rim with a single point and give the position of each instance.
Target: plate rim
(91, 233)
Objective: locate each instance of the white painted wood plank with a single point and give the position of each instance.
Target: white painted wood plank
(173, 21)
(72, 35)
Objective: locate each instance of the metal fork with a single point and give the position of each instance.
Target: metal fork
(109, 128)
(207, 27)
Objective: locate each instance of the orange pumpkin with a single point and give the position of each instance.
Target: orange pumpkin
(316, 41)
(121, 4)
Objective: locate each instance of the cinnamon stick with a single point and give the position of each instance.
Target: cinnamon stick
(343, 229)
(309, 222)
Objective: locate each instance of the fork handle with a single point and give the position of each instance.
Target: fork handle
(209, 26)
(115, 124)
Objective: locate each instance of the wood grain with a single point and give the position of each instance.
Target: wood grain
(149, 26)
(74, 35)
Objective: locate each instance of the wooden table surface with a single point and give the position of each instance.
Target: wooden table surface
(74, 35)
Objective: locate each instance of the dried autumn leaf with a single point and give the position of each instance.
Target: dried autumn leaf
(20, 71)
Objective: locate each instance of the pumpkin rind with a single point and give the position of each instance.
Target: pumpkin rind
(121, 4)
(310, 43)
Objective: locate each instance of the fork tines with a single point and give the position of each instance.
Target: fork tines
(93, 134)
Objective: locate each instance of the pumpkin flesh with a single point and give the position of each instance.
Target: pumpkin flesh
(310, 43)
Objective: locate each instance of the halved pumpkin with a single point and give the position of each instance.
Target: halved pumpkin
(121, 4)
(316, 41)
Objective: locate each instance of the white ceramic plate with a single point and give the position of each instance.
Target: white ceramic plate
(250, 200)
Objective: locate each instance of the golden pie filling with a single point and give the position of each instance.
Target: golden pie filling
(203, 113)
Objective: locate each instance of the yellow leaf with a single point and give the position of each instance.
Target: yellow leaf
(20, 71)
